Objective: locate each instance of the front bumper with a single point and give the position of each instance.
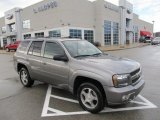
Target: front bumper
(116, 96)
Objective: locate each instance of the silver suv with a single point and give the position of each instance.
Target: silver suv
(95, 78)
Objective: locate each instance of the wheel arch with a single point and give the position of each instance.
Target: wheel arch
(20, 66)
(82, 79)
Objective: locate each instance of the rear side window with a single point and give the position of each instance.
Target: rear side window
(35, 48)
(23, 46)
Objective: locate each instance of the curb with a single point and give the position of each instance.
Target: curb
(116, 49)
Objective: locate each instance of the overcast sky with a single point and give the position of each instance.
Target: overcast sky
(148, 10)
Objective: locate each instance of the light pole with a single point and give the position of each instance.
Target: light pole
(153, 27)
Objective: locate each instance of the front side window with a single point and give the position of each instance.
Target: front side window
(52, 49)
(81, 48)
(35, 48)
(75, 33)
(26, 24)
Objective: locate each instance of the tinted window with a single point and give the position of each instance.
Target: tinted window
(35, 48)
(52, 49)
(23, 46)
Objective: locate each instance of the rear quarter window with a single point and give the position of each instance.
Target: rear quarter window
(23, 46)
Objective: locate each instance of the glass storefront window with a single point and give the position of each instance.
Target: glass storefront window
(26, 24)
(39, 35)
(27, 36)
(115, 33)
(89, 35)
(55, 33)
(75, 33)
(12, 27)
(107, 32)
(3, 30)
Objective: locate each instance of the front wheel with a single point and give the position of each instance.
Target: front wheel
(25, 78)
(90, 98)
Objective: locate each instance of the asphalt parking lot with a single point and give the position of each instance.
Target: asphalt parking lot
(43, 102)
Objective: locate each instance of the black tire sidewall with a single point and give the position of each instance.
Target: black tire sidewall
(100, 105)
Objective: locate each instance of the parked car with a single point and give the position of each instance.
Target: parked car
(97, 79)
(144, 39)
(12, 46)
(156, 41)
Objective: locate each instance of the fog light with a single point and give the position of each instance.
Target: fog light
(125, 98)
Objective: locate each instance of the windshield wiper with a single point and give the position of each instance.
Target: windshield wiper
(81, 56)
(96, 54)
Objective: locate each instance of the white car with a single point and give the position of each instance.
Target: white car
(156, 41)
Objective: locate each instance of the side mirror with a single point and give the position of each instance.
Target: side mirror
(60, 58)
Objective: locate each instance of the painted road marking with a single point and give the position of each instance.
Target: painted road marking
(48, 111)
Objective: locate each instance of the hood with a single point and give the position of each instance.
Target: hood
(111, 64)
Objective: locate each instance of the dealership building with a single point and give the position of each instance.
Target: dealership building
(97, 21)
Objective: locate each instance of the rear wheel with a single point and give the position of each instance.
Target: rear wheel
(90, 98)
(25, 78)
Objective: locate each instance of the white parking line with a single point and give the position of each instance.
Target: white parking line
(63, 98)
(146, 104)
(46, 103)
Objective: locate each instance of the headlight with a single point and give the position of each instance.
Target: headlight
(121, 80)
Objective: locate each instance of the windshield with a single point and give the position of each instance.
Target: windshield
(157, 38)
(81, 48)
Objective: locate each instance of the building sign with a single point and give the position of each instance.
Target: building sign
(45, 7)
(129, 10)
(111, 7)
(9, 16)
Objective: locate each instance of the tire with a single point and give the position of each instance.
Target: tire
(7, 49)
(94, 102)
(25, 78)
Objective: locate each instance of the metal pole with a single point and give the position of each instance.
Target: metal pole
(153, 28)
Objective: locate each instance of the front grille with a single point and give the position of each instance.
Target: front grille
(134, 72)
(135, 75)
(135, 80)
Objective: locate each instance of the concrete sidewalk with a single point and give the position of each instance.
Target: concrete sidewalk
(118, 47)
(4, 52)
